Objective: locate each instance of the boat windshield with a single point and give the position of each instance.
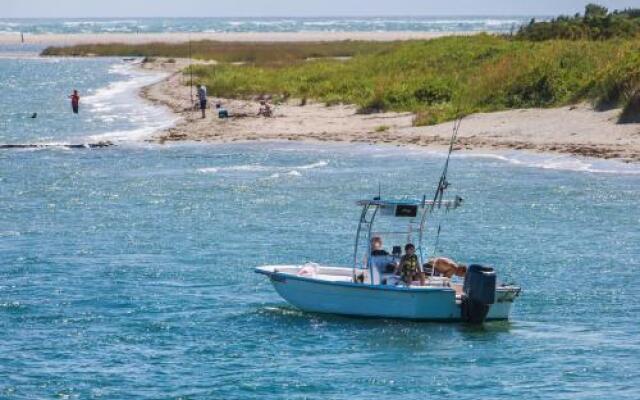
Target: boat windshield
(391, 229)
(387, 226)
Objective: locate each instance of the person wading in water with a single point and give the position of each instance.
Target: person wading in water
(75, 101)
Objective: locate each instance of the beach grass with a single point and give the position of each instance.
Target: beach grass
(442, 78)
(436, 79)
(261, 53)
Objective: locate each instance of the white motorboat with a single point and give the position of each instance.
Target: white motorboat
(369, 288)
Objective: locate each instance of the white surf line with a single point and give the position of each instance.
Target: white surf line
(121, 100)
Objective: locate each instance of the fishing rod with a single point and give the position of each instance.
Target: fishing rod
(443, 184)
(190, 71)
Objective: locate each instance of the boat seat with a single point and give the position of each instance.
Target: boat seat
(389, 279)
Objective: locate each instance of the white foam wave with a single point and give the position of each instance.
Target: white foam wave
(210, 170)
(318, 164)
(288, 170)
(119, 101)
(9, 233)
(99, 23)
(290, 173)
(247, 168)
(560, 162)
(250, 167)
(321, 24)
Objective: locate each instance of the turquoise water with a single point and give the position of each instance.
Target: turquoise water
(286, 24)
(127, 272)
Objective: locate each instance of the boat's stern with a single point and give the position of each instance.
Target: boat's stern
(505, 297)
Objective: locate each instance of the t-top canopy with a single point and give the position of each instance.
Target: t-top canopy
(455, 203)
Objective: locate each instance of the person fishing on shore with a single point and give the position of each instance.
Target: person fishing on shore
(202, 97)
(75, 101)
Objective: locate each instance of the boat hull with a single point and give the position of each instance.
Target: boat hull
(378, 301)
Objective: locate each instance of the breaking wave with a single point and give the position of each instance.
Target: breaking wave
(278, 170)
(561, 162)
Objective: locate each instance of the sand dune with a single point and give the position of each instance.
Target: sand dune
(577, 130)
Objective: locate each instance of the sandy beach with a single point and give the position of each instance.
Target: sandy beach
(177, 37)
(577, 130)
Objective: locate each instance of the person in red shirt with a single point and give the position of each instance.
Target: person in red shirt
(75, 101)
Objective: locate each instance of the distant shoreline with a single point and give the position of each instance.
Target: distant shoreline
(57, 39)
(577, 130)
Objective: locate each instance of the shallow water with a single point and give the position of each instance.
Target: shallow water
(128, 272)
(110, 108)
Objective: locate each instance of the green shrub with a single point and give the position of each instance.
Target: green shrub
(439, 79)
(596, 24)
(433, 92)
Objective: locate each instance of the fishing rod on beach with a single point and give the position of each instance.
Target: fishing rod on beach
(190, 72)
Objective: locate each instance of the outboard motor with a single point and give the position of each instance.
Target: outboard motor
(479, 293)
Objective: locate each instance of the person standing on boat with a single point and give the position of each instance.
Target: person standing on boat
(410, 266)
(202, 97)
(379, 260)
(376, 247)
(75, 101)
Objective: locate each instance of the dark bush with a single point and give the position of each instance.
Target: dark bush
(631, 111)
(535, 90)
(432, 93)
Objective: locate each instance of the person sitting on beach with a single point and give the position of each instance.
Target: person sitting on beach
(202, 97)
(446, 267)
(75, 101)
(222, 112)
(265, 109)
(409, 267)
